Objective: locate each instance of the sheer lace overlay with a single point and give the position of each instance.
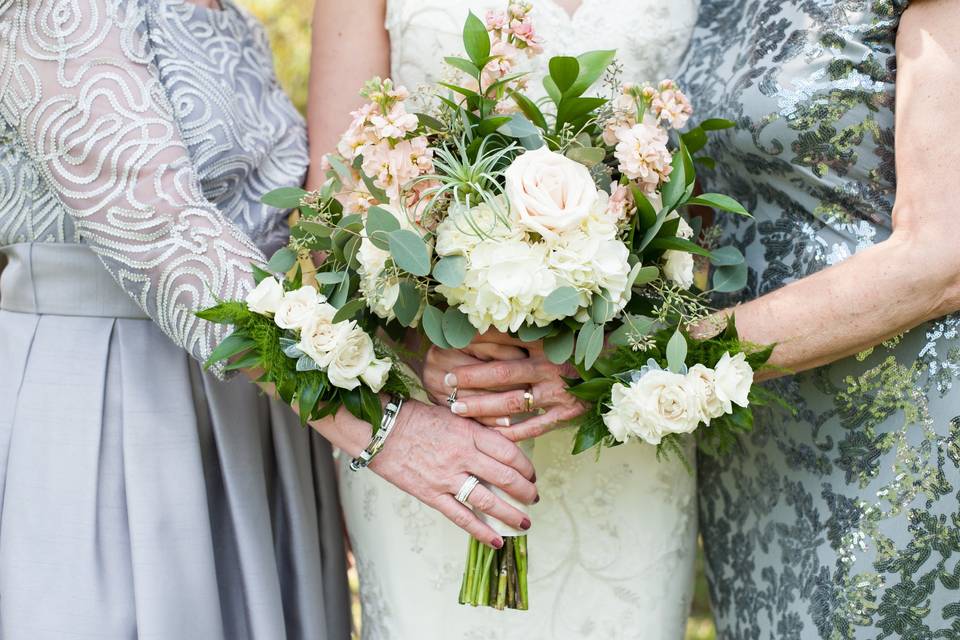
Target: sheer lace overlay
(93, 149)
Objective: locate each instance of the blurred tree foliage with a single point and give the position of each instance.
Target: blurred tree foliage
(288, 23)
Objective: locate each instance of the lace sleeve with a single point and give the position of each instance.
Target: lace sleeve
(78, 86)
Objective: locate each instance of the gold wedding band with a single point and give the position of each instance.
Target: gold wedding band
(528, 401)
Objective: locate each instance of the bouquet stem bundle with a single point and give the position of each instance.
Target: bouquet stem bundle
(496, 577)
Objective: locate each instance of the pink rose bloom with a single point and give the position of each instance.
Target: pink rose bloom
(643, 155)
(525, 33)
(620, 202)
(671, 105)
(396, 124)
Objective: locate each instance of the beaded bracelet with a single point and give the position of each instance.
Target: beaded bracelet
(387, 422)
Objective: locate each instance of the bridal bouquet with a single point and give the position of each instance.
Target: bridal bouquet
(472, 204)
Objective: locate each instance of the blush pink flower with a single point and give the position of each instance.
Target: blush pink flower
(394, 125)
(624, 116)
(496, 20)
(358, 134)
(643, 155)
(620, 202)
(671, 105)
(393, 167)
(503, 59)
(525, 33)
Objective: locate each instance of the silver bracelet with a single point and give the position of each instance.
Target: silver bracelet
(387, 422)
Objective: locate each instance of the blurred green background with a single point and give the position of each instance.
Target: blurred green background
(288, 22)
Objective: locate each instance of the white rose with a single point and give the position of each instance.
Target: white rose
(350, 358)
(377, 373)
(734, 377)
(658, 404)
(549, 192)
(297, 307)
(319, 335)
(684, 230)
(266, 297)
(678, 267)
(703, 381)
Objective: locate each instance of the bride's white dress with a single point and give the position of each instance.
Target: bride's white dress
(613, 540)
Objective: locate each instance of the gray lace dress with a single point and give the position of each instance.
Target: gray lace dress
(141, 497)
(843, 522)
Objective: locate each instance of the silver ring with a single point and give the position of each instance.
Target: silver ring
(467, 488)
(452, 398)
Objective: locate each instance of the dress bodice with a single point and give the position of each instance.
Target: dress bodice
(149, 130)
(811, 88)
(650, 36)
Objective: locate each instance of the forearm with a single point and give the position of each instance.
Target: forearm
(876, 294)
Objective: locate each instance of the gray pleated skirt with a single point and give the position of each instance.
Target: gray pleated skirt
(139, 496)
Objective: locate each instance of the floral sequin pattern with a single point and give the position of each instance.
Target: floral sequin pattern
(842, 520)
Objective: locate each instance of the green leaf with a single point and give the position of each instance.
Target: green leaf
(562, 303)
(564, 71)
(307, 397)
(284, 197)
(679, 244)
(490, 125)
(551, 88)
(601, 309)
(529, 109)
(645, 275)
(645, 211)
(380, 224)
(372, 409)
(715, 124)
(230, 346)
(633, 326)
(430, 122)
(314, 228)
(673, 190)
(330, 277)
(730, 279)
(532, 333)
(409, 252)
(340, 168)
(695, 139)
(559, 348)
(246, 362)
(348, 310)
(589, 435)
(677, 352)
(353, 401)
(259, 274)
(476, 40)
(450, 271)
(522, 129)
(572, 108)
(341, 293)
(592, 390)
(719, 201)
(709, 163)
(350, 251)
(432, 323)
(588, 156)
(408, 303)
(592, 65)
(589, 344)
(463, 65)
(457, 328)
(727, 256)
(282, 261)
(378, 194)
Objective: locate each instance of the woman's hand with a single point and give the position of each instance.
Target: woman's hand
(494, 391)
(430, 454)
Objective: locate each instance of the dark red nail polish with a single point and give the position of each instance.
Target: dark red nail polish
(534, 478)
(525, 524)
(498, 543)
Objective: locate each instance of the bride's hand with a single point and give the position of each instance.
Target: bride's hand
(492, 392)
(430, 454)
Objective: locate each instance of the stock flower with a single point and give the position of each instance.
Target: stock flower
(703, 381)
(643, 154)
(624, 115)
(620, 203)
(319, 335)
(496, 20)
(678, 267)
(526, 34)
(266, 297)
(549, 192)
(395, 124)
(734, 377)
(297, 307)
(350, 358)
(658, 404)
(671, 105)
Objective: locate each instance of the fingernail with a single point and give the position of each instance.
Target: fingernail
(503, 422)
(537, 499)
(498, 543)
(534, 478)
(525, 524)
(450, 380)
(458, 408)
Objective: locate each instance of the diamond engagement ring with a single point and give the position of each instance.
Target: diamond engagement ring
(452, 398)
(467, 488)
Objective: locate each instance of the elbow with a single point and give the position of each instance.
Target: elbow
(929, 258)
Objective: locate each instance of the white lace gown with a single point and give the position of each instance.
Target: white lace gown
(613, 540)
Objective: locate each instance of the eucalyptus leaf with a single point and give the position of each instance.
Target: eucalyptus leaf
(601, 308)
(432, 323)
(408, 302)
(330, 277)
(450, 271)
(282, 261)
(730, 278)
(306, 363)
(589, 344)
(409, 252)
(677, 352)
(457, 328)
(632, 327)
(521, 128)
(314, 228)
(340, 168)
(562, 302)
(380, 224)
(284, 197)
(559, 348)
(644, 275)
(587, 156)
(532, 333)
(727, 256)
(348, 310)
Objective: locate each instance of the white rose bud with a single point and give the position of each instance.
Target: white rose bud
(703, 381)
(319, 335)
(658, 404)
(266, 297)
(297, 307)
(734, 377)
(549, 192)
(350, 358)
(377, 373)
(678, 267)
